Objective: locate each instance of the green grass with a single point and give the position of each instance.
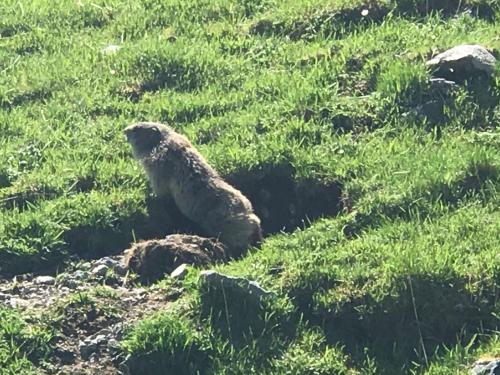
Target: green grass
(21, 344)
(404, 280)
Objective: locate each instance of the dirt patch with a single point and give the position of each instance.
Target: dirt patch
(284, 203)
(89, 309)
(154, 258)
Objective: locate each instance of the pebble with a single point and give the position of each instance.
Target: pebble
(111, 49)
(486, 367)
(45, 280)
(216, 279)
(180, 272)
(89, 346)
(100, 270)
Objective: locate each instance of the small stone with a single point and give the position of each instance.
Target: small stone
(71, 283)
(107, 261)
(23, 277)
(442, 86)
(180, 272)
(100, 270)
(89, 346)
(111, 49)
(80, 275)
(217, 279)
(114, 264)
(44, 280)
(114, 347)
(486, 367)
(85, 266)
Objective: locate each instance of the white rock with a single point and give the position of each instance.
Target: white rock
(180, 272)
(44, 280)
(486, 367)
(111, 49)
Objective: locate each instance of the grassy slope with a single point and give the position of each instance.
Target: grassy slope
(256, 85)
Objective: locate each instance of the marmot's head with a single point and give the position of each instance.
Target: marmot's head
(144, 136)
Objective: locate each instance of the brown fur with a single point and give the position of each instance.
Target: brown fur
(177, 170)
(153, 259)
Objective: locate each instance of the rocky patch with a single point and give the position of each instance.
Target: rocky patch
(90, 306)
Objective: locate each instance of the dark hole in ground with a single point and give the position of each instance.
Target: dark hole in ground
(284, 203)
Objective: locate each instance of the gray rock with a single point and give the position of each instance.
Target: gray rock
(44, 280)
(80, 275)
(216, 279)
(107, 261)
(180, 272)
(432, 110)
(86, 266)
(115, 264)
(69, 280)
(100, 270)
(462, 62)
(70, 283)
(486, 367)
(90, 345)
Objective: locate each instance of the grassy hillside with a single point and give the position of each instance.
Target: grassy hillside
(389, 258)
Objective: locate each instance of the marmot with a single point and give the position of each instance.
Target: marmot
(177, 170)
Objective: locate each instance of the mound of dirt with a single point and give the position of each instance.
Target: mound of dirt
(153, 259)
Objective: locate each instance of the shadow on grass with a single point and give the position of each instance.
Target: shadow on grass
(24, 98)
(176, 349)
(472, 182)
(419, 316)
(282, 203)
(254, 330)
(330, 22)
(340, 22)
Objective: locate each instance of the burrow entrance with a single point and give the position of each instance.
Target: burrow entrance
(284, 203)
